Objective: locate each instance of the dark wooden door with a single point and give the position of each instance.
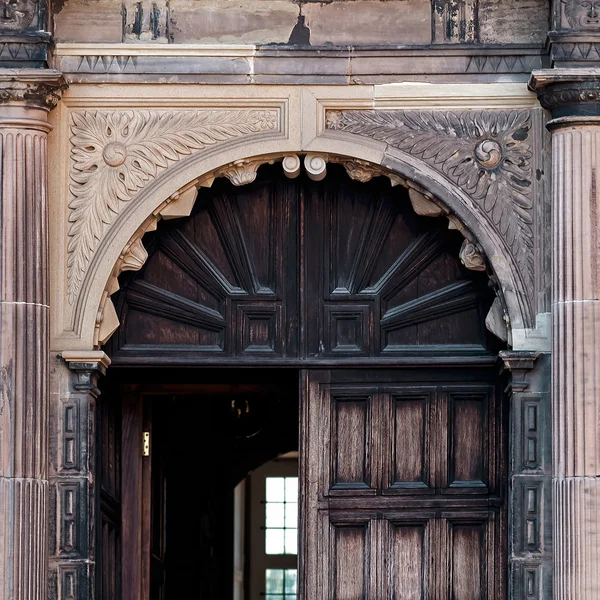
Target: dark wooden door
(402, 478)
(144, 471)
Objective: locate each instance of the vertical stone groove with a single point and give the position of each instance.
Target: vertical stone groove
(24, 355)
(576, 389)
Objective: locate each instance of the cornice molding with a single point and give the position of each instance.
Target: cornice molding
(573, 92)
(36, 88)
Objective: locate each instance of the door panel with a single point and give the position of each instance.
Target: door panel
(427, 526)
(406, 573)
(410, 419)
(351, 446)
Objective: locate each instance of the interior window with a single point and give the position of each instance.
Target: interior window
(268, 499)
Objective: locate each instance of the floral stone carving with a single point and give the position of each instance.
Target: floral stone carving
(485, 153)
(115, 154)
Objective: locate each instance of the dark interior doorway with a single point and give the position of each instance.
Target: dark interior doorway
(166, 520)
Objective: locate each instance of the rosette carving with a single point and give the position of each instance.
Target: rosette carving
(115, 154)
(485, 153)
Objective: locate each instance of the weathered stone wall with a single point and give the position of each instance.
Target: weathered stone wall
(337, 22)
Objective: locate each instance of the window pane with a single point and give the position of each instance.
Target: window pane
(290, 582)
(275, 489)
(274, 541)
(291, 516)
(274, 581)
(291, 489)
(291, 541)
(275, 514)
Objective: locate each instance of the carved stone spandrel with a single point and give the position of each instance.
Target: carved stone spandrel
(486, 153)
(116, 154)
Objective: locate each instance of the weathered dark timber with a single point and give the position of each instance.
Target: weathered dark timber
(403, 486)
(300, 272)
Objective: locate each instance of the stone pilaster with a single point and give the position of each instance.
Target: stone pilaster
(573, 96)
(530, 475)
(74, 392)
(24, 333)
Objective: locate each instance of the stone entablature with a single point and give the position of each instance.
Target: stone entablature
(336, 65)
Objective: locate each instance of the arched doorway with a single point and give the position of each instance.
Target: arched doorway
(367, 309)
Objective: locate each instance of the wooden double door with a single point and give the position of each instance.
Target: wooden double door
(402, 485)
(366, 308)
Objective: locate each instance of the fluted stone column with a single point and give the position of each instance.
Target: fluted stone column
(573, 96)
(25, 98)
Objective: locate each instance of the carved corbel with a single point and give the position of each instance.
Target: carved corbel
(291, 165)
(243, 172)
(181, 204)
(455, 223)
(316, 166)
(471, 256)
(423, 206)
(496, 320)
(107, 322)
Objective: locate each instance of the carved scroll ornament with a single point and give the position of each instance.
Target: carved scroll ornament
(483, 152)
(115, 154)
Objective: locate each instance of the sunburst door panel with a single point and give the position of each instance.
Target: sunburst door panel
(289, 270)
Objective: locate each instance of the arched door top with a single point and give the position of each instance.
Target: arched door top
(305, 272)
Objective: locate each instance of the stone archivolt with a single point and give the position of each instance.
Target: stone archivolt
(115, 154)
(485, 153)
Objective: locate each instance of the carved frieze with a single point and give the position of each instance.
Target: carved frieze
(18, 15)
(116, 154)
(485, 153)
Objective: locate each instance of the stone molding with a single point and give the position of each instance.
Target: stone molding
(573, 92)
(34, 88)
(248, 63)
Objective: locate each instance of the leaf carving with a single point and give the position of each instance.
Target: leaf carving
(115, 154)
(483, 152)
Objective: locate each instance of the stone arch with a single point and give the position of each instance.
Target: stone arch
(173, 192)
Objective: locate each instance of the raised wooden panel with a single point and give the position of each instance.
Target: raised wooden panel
(259, 327)
(468, 560)
(407, 556)
(469, 436)
(351, 443)
(348, 328)
(410, 446)
(350, 569)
